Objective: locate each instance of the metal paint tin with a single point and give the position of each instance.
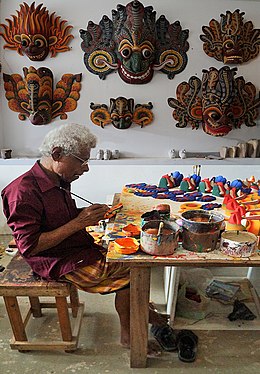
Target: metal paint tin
(163, 244)
(201, 230)
(238, 243)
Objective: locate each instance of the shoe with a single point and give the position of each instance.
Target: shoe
(187, 343)
(165, 336)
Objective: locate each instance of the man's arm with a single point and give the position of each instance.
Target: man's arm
(87, 217)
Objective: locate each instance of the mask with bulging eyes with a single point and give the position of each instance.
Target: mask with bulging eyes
(135, 44)
(219, 102)
(35, 33)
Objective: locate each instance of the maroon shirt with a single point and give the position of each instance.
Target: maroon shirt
(33, 204)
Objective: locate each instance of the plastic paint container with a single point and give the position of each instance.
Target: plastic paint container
(238, 243)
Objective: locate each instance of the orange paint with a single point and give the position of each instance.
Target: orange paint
(131, 230)
(126, 245)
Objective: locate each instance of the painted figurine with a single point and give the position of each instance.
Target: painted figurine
(231, 40)
(205, 185)
(35, 98)
(219, 102)
(135, 44)
(121, 113)
(35, 33)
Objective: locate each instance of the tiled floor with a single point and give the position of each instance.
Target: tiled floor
(225, 352)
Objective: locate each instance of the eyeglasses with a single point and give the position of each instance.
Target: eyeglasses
(83, 162)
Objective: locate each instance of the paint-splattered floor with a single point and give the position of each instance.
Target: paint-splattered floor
(225, 352)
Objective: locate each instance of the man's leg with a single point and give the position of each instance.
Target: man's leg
(122, 305)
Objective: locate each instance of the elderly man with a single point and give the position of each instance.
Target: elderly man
(49, 229)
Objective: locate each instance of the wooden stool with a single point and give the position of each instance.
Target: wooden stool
(19, 280)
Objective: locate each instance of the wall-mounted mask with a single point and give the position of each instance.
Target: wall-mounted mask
(36, 33)
(231, 40)
(219, 102)
(135, 44)
(34, 97)
(121, 113)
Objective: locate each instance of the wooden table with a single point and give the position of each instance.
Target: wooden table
(140, 271)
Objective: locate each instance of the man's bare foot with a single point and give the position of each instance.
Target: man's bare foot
(125, 340)
(156, 318)
(154, 349)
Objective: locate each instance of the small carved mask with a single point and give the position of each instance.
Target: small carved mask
(231, 40)
(34, 97)
(121, 113)
(36, 33)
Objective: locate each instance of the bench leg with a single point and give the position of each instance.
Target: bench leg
(74, 300)
(35, 306)
(15, 318)
(63, 314)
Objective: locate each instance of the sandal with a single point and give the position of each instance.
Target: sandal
(165, 336)
(187, 343)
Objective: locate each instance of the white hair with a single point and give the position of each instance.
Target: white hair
(72, 138)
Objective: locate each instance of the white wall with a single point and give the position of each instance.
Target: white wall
(152, 143)
(156, 139)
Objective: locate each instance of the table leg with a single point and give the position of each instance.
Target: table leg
(139, 314)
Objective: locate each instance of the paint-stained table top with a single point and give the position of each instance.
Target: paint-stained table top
(134, 207)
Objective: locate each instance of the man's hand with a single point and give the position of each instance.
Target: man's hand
(87, 217)
(91, 215)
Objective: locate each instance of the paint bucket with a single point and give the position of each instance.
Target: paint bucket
(201, 230)
(238, 243)
(163, 244)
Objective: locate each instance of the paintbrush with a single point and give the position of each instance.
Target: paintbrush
(109, 214)
(161, 224)
(160, 229)
(82, 198)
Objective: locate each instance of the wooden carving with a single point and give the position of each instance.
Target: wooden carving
(219, 102)
(121, 113)
(34, 97)
(36, 33)
(135, 44)
(231, 40)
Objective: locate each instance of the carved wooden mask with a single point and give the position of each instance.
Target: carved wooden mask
(219, 102)
(36, 33)
(231, 40)
(34, 97)
(121, 113)
(135, 44)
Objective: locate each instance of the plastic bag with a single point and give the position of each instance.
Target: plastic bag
(192, 301)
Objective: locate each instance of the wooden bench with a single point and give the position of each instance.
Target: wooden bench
(19, 280)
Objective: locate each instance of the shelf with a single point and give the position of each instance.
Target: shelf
(177, 161)
(149, 161)
(216, 314)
